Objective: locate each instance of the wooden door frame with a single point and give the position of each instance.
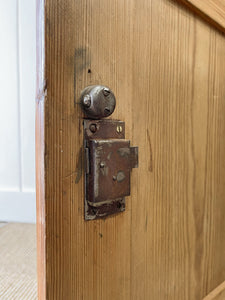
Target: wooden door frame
(40, 148)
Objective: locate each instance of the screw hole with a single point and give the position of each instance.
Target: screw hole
(89, 70)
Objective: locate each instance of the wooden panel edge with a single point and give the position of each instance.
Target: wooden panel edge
(39, 140)
(217, 294)
(206, 12)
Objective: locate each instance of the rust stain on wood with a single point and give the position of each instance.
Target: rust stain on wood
(81, 63)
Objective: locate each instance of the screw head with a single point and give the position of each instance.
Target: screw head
(93, 128)
(87, 100)
(119, 129)
(107, 111)
(102, 165)
(106, 92)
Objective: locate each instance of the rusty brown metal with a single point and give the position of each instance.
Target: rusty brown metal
(103, 129)
(109, 161)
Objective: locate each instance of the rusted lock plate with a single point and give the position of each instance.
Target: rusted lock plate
(109, 160)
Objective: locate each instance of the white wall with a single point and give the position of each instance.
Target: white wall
(17, 110)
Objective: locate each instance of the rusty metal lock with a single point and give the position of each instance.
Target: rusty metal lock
(109, 159)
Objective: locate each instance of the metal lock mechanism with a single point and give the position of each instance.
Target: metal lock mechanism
(109, 158)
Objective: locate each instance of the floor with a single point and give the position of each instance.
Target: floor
(18, 279)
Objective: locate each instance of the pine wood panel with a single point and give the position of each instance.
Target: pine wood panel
(40, 152)
(167, 71)
(211, 10)
(217, 294)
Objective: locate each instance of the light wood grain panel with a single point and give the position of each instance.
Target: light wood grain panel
(40, 155)
(211, 10)
(167, 70)
(217, 294)
(181, 150)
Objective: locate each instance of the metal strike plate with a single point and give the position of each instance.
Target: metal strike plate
(109, 159)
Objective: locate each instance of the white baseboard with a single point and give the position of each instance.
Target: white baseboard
(18, 207)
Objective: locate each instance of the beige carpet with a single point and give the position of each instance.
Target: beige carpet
(18, 280)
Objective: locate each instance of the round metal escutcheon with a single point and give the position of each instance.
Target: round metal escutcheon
(97, 101)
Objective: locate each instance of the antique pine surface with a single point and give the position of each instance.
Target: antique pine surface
(217, 294)
(167, 69)
(212, 11)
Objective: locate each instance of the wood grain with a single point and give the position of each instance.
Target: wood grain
(217, 294)
(211, 10)
(166, 68)
(40, 148)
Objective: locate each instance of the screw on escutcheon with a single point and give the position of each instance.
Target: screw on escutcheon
(119, 129)
(87, 100)
(93, 128)
(106, 92)
(107, 111)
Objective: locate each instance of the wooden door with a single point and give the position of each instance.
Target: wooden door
(166, 66)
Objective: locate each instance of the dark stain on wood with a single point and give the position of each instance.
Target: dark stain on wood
(81, 62)
(150, 165)
(146, 223)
